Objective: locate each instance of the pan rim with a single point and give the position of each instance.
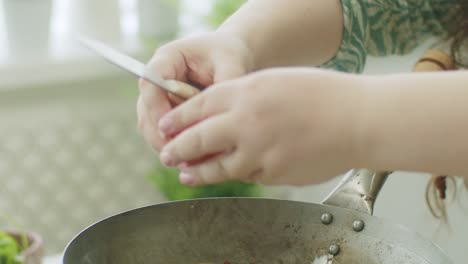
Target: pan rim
(397, 234)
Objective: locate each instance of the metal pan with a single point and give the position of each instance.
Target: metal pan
(245, 230)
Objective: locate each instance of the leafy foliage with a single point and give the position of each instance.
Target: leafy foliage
(9, 249)
(166, 180)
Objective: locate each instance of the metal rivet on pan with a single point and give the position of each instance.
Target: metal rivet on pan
(326, 218)
(358, 225)
(334, 249)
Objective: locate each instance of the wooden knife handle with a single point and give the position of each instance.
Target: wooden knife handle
(182, 91)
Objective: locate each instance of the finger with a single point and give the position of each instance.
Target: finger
(229, 166)
(148, 130)
(175, 100)
(169, 63)
(140, 113)
(215, 100)
(171, 66)
(155, 100)
(214, 135)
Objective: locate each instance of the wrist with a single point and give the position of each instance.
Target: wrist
(243, 50)
(379, 114)
(362, 137)
(244, 46)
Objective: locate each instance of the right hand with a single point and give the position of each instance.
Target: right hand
(200, 61)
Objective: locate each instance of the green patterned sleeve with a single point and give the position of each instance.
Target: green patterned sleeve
(388, 27)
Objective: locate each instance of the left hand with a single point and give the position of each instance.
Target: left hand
(281, 126)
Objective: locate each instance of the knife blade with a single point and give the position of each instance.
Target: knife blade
(183, 90)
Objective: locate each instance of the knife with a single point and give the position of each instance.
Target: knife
(180, 89)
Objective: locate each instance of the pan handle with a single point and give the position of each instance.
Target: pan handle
(358, 190)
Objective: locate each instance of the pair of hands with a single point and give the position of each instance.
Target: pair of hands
(278, 126)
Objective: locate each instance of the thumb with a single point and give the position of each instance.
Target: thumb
(170, 65)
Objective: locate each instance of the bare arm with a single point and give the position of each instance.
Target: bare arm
(417, 122)
(286, 33)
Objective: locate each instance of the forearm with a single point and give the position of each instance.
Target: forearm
(288, 33)
(416, 122)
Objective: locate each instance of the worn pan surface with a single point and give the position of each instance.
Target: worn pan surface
(245, 230)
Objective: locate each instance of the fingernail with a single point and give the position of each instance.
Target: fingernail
(166, 158)
(186, 178)
(183, 166)
(165, 125)
(162, 135)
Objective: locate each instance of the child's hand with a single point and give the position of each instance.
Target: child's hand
(280, 126)
(201, 61)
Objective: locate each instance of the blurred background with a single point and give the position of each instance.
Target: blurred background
(70, 153)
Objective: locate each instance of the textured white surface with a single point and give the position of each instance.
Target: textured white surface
(53, 260)
(71, 155)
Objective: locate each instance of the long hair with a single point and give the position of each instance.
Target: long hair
(442, 190)
(459, 33)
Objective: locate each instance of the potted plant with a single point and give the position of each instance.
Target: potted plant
(167, 182)
(18, 247)
(27, 22)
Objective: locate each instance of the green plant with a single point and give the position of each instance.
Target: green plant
(222, 9)
(166, 180)
(10, 249)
